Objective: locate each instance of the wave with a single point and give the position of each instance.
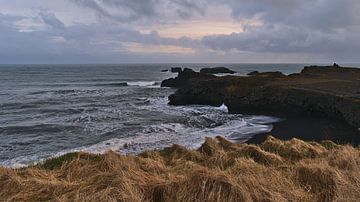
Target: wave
(63, 92)
(120, 84)
(164, 135)
(132, 83)
(227, 74)
(223, 108)
(157, 136)
(143, 83)
(162, 126)
(34, 129)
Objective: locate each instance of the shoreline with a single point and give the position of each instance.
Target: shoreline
(311, 129)
(319, 103)
(296, 161)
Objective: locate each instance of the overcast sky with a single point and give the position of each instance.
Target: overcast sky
(140, 31)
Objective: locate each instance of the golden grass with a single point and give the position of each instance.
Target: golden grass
(218, 171)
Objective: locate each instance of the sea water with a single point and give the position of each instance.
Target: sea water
(49, 110)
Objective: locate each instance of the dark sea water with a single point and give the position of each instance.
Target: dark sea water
(48, 110)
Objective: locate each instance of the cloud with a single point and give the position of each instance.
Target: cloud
(314, 27)
(186, 8)
(111, 30)
(51, 20)
(145, 10)
(315, 14)
(81, 42)
(121, 10)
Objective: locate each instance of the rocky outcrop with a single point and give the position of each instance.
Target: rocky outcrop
(330, 92)
(184, 77)
(176, 69)
(330, 71)
(253, 73)
(217, 70)
(267, 74)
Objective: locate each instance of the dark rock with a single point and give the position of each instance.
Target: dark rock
(253, 73)
(217, 70)
(317, 91)
(188, 70)
(271, 74)
(184, 77)
(328, 69)
(164, 70)
(176, 69)
(266, 74)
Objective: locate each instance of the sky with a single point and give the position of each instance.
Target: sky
(179, 31)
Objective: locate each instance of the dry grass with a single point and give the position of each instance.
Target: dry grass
(218, 171)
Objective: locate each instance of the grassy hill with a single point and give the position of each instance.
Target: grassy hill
(218, 171)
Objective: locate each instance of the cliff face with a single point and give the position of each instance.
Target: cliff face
(332, 92)
(292, 101)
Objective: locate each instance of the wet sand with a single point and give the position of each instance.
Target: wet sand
(312, 129)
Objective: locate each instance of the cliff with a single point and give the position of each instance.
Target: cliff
(329, 91)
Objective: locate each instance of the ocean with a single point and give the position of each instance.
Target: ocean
(49, 110)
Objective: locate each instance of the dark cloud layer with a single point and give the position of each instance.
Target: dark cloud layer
(186, 8)
(51, 20)
(95, 42)
(125, 10)
(329, 30)
(316, 27)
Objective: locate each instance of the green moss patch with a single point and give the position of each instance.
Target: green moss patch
(57, 162)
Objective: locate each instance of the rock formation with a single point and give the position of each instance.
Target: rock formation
(328, 91)
(217, 70)
(184, 77)
(176, 69)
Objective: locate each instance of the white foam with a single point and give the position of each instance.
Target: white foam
(223, 108)
(157, 137)
(198, 122)
(227, 74)
(21, 161)
(142, 83)
(164, 135)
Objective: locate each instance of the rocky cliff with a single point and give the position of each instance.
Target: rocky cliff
(328, 91)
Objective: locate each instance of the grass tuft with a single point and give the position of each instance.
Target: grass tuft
(219, 170)
(57, 162)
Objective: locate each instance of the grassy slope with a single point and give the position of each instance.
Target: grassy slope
(218, 171)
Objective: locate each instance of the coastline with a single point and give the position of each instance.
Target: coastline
(319, 103)
(294, 162)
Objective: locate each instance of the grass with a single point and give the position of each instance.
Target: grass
(56, 163)
(218, 171)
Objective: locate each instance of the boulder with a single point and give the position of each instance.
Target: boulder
(184, 77)
(217, 70)
(176, 69)
(271, 74)
(253, 73)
